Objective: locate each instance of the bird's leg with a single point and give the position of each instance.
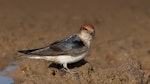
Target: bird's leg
(68, 70)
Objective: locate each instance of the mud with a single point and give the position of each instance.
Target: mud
(119, 54)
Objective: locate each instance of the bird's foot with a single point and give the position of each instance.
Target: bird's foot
(69, 71)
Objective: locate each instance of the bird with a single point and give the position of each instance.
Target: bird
(68, 50)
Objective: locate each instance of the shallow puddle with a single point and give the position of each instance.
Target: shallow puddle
(5, 79)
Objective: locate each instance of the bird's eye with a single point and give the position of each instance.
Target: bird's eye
(84, 29)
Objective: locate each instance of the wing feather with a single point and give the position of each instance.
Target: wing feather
(72, 45)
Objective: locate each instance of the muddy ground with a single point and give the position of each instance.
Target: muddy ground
(119, 54)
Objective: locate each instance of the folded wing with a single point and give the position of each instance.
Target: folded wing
(72, 46)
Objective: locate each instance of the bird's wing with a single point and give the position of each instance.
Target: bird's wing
(72, 46)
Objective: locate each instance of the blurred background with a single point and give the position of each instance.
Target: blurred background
(122, 28)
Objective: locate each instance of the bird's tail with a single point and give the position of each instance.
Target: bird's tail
(24, 51)
(27, 51)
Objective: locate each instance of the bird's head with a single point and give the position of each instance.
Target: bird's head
(86, 32)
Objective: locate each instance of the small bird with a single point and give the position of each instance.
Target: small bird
(69, 50)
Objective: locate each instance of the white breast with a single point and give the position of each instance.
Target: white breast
(70, 59)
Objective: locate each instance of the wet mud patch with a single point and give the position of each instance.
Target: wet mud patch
(128, 73)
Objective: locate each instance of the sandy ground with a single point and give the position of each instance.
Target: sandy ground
(119, 54)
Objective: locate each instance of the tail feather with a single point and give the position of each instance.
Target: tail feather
(27, 51)
(24, 51)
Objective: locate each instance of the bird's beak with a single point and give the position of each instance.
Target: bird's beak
(93, 34)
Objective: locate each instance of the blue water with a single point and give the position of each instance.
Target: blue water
(11, 67)
(7, 80)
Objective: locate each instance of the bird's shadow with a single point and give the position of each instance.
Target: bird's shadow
(70, 66)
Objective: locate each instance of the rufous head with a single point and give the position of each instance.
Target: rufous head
(87, 32)
(88, 28)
